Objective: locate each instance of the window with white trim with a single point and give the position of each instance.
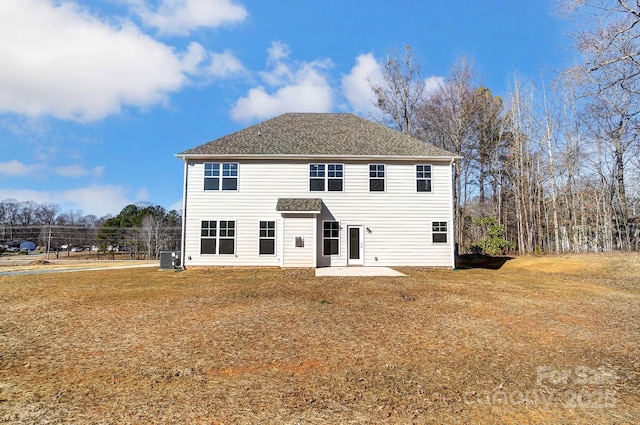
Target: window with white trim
(209, 237)
(330, 238)
(227, 237)
(439, 232)
(423, 178)
(267, 238)
(218, 237)
(376, 177)
(220, 176)
(326, 177)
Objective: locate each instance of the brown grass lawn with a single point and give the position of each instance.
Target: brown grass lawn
(542, 340)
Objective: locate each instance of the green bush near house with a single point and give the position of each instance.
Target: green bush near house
(493, 243)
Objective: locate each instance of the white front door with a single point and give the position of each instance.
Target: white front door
(355, 246)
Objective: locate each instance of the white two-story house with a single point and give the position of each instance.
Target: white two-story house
(317, 190)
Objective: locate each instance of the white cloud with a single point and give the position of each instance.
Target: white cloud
(280, 71)
(180, 17)
(224, 65)
(194, 55)
(69, 64)
(433, 83)
(218, 65)
(16, 168)
(96, 199)
(78, 171)
(356, 85)
(298, 87)
(277, 52)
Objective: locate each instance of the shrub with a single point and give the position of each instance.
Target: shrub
(476, 250)
(494, 242)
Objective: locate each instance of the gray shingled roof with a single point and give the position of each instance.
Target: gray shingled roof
(299, 204)
(311, 134)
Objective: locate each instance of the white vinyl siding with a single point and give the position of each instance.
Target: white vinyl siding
(399, 219)
(298, 226)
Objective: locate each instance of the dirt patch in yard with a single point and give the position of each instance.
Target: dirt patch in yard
(541, 340)
(38, 263)
(26, 264)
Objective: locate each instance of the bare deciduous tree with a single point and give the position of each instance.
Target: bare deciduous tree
(608, 84)
(558, 169)
(449, 118)
(400, 93)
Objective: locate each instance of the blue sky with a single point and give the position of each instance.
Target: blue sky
(96, 97)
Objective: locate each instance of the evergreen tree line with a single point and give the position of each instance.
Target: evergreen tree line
(550, 167)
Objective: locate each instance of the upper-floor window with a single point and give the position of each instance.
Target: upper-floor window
(326, 177)
(376, 177)
(423, 178)
(214, 172)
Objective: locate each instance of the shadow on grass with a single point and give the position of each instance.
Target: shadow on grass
(467, 262)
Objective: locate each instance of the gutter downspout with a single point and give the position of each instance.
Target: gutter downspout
(184, 215)
(453, 219)
(315, 241)
(281, 244)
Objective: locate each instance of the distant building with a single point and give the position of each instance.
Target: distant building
(27, 246)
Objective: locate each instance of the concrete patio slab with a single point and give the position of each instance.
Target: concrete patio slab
(357, 271)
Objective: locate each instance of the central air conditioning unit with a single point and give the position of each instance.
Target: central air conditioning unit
(170, 260)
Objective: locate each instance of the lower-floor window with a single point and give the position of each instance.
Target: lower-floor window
(439, 232)
(330, 238)
(267, 238)
(218, 237)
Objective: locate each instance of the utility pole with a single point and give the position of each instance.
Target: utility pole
(49, 242)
